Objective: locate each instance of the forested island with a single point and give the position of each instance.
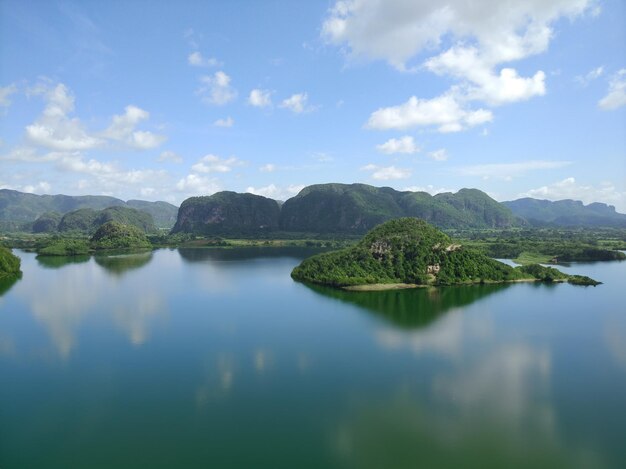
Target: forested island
(9, 265)
(409, 252)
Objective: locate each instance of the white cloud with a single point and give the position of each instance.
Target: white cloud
(122, 129)
(216, 89)
(432, 190)
(482, 82)
(194, 184)
(386, 173)
(54, 129)
(568, 188)
(507, 171)
(5, 93)
(584, 80)
(616, 95)
(268, 168)
(215, 164)
(397, 30)
(170, 156)
(226, 122)
(297, 103)
(275, 192)
(404, 145)
(445, 112)
(439, 155)
(260, 98)
(197, 60)
(484, 34)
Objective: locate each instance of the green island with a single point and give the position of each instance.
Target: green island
(9, 265)
(408, 252)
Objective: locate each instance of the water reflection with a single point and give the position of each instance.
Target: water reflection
(413, 308)
(248, 253)
(56, 262)
(6, 284)
(119, 264)
(66, 297)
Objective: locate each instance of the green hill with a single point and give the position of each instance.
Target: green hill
(86, 220)
(228, 213)
(18, 209)
(115, 235)
(357, 208)
(566, 213)
(410, 251)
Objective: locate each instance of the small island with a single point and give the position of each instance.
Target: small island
(408, 252)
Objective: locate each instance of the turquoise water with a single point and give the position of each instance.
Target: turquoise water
(216, 358)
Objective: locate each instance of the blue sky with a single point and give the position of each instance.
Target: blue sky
(164, 100)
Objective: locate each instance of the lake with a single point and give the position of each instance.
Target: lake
(217, 358)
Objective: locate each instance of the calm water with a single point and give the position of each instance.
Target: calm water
(208, 358)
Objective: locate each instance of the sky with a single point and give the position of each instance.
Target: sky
(161, 100)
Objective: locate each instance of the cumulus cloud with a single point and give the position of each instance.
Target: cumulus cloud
(445, 112)
(194, 184)
(216, 89)
(260, 98)
(616, 95)
(226, 122)
(5, 93)
(568, 188)
(405, 145)
(170, 156)
(123, 126)
(54, 129)
(297, 103)
(197, 60)
(215, 164)
(276, 192)
(268, 168)
(387, 173)
(508, 171)
(439, 155)
(484, 35)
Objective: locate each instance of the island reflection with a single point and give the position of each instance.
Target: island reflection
(411, 308)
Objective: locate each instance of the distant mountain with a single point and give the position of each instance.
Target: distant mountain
(19, 208)
(228, 213)
(357, 208)
(87, 220)
(566, 213)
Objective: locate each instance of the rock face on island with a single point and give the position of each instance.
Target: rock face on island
(227, 213)
(357, 208)
(410, 251)
(9, 264)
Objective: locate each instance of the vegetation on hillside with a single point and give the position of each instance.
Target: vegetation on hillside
(356, 208)
(47, 223)
(9, 264)
(87, 220)
(566, 213)
(65, 247)
(227, 213)
(410, 251)
(19, 210)
(115, 235)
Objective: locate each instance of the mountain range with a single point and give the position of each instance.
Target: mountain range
(18, 208)
(320, 208)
